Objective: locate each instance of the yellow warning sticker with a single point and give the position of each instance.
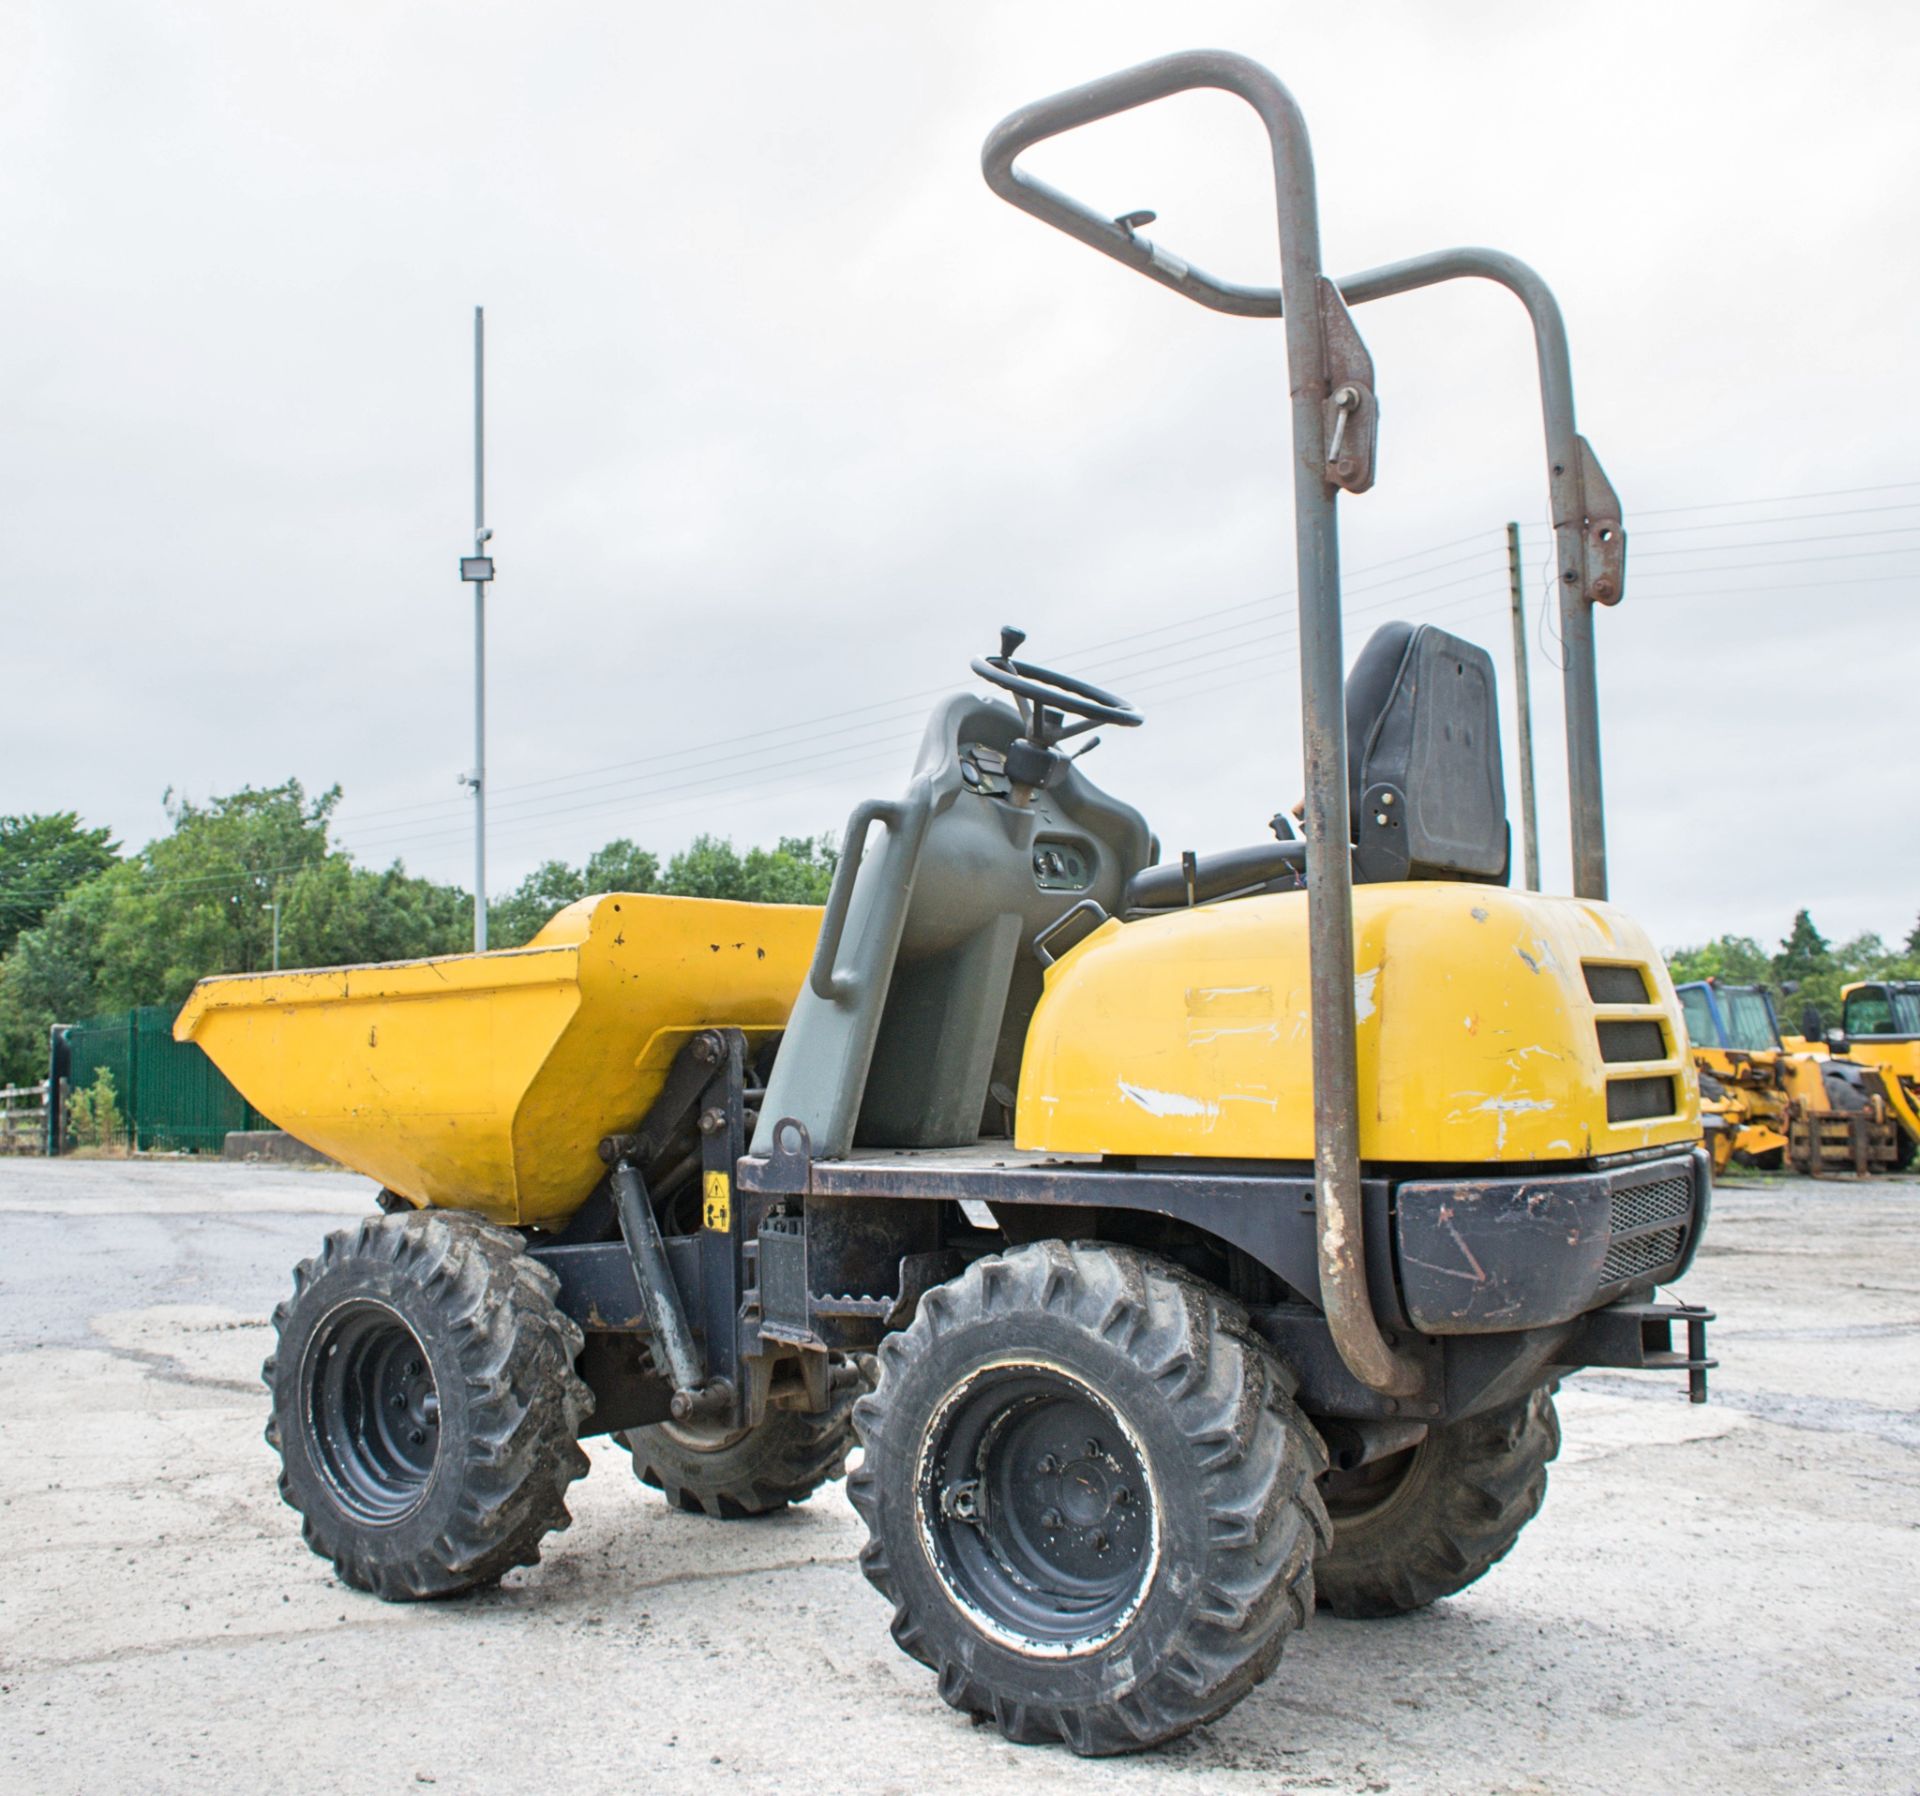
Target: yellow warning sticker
(717, 1212)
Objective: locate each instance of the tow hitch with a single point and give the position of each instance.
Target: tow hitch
(1639, 1337)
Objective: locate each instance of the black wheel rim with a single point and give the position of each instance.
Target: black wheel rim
(373, 1411)
(1037, 1509)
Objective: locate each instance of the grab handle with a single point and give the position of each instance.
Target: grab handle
(1118, 237)
(827, 982)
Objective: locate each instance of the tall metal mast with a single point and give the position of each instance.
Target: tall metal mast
(478, 569)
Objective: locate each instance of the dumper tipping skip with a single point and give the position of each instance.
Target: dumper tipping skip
(485, 1082)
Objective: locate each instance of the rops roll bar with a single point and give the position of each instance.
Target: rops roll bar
(1335, 416)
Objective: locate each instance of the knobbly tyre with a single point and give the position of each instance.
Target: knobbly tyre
(1183, 1242)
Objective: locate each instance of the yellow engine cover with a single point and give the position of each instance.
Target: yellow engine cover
(1479, 1038)
(485, 1081)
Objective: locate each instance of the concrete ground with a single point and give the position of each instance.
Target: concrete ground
(1723, 1599)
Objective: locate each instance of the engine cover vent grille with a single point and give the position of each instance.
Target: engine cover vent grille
(1615, 985)
(1634, 1040)
(1636, 1100)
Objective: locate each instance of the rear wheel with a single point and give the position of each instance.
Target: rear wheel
(731, 1474)
(425, 1404)
(1089, 1497)
(1420, 1525)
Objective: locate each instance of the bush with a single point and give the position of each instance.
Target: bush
(93, 1116)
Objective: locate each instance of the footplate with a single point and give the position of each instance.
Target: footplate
(1639, 1337)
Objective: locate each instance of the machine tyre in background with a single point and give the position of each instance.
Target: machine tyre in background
(1089, 1497)
(425, 1404)
(1424, 1524)
(731, 1476)
(1846, 1085)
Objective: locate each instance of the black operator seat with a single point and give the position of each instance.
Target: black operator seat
(1424, 781)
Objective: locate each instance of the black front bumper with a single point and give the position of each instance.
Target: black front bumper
(1486, 1256)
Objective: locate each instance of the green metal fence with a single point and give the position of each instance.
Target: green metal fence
(170, 1095)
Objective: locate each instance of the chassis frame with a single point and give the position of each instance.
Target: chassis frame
(798, 1260)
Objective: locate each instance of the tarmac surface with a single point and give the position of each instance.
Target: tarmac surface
(1717, 1599)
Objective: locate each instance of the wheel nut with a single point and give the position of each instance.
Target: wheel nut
(1048, 1465)
(1093, 1449)
(417, 1436)
(1122, 1497)
(399, 1400)
(1053, 1519)
(1100, 1543)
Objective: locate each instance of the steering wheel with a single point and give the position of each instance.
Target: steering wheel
(1048, 690)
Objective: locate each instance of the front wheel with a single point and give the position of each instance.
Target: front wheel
(425, 1404)
(1089, 1497)
(1423, 1524)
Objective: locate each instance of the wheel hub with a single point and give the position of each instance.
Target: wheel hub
(372, 1411)
(1036, 1509)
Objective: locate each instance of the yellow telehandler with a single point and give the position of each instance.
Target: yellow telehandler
(1805, 1102)
(1181, 1244)
(1880, 1026)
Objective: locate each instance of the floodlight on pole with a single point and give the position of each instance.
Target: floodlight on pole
(477, 569)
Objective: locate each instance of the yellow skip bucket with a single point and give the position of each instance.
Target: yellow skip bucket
(485, 1082)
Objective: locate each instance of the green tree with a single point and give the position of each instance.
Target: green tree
(1808, 973)
(621, 866)
(199, 901)
(1804, 954)
(42, 859)
(200, 898)
(336, 914)
(798, 871)
(517, 918)
(51, 977)
(1737, 959)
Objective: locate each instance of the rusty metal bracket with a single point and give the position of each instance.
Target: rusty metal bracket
(1603, 536)
(788, 1167)
(1352, 409)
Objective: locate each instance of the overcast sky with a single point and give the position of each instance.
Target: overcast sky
(787, 414)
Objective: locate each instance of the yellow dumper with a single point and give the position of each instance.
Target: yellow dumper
(1190, 1240)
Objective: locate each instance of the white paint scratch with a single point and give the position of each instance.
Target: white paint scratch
(1505, 1107)
(1164, 1103)
(1363, 984)
(1199, 1037)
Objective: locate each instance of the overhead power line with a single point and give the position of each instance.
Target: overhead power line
(808, 725)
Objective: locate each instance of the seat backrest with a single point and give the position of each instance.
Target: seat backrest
(1423, 759)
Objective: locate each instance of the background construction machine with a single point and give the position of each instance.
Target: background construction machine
(1182, 1247)
(1880, 1024)
(1803, 1103)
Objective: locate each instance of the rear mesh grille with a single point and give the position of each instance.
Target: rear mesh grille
(1640, 1254)
(1614, 985)
(1641, 1040)
(1634, 1100)
(1669, 1200)
(1663, 1209)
